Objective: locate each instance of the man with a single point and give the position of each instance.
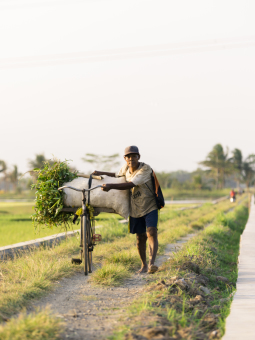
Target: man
(143, 218)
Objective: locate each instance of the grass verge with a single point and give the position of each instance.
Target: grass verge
(40, 326)
(190, 297)
(31, 275)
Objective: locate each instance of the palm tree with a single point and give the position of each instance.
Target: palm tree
(248, 172)
(102, 162)
(13, 177)
(197, 181)
(2, 166)
(164, 179)
(38, 162)
(237, 162)
(218, 163)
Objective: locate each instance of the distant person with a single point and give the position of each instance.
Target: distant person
(143, 220)
(232, 195)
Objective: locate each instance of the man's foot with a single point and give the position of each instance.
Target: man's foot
(143, 270)
(152, 269)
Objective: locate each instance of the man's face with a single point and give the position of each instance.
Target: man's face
(132, 160)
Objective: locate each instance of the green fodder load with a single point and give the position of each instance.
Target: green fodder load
(49, 200)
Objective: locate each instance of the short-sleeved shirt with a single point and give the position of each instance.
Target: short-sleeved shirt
(142, 198)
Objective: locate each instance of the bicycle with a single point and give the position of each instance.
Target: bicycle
(86, 233)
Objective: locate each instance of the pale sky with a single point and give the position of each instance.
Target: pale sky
(93, 76)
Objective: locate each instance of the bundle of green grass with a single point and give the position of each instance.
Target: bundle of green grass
(49, 200)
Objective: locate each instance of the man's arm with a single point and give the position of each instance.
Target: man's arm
(100, 173)
(119, 186)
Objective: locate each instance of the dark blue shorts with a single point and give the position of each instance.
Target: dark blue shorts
(139, 225)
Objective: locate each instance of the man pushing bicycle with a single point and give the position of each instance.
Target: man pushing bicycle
(143, 218)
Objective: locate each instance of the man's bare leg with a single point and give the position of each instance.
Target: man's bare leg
(141, 246)
(152, 234)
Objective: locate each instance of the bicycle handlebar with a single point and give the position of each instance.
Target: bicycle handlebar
(81, 190)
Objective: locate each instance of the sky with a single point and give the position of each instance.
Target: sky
(94, 76)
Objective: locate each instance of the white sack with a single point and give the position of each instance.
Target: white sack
(118, 200)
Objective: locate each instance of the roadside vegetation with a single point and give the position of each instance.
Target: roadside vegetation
(32, 274)
(190, 297)
(40, 326)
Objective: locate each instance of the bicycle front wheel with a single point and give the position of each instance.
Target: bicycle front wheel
(85, 244)
(90, 244)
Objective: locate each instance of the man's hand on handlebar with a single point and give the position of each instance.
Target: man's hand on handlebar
(106, 187)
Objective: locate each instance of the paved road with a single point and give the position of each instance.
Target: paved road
(187, 201)
(240, 323)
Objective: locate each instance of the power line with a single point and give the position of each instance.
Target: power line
(50, 3)
(127, 53)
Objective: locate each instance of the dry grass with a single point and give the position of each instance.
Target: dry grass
(40, 326)
(30, 275)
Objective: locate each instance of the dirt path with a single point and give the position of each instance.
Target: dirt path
(91, 312)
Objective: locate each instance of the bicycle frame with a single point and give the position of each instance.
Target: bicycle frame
(85, 230)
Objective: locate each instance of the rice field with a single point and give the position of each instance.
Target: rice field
(16, 224)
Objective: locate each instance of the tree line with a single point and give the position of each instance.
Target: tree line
(11, 175)
(220, 167)
(220, 164)
(13, 180)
